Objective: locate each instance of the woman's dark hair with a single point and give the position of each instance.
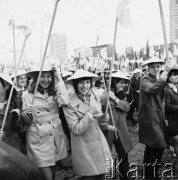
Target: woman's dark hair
(121, 94)
(76, 81)
(114, 82)
(51, 89)
(171, 72)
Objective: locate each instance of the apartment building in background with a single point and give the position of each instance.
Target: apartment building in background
(173, 9)
(58, 47)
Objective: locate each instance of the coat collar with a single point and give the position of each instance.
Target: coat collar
(82, 107)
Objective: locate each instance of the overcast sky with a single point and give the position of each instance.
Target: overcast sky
(81, 21)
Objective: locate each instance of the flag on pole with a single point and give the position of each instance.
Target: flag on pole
(123, 13)
(11, 22)
(21, 27)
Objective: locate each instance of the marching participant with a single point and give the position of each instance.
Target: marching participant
(150, 118)
(13, 119)
(45, 141)
(119, 108)
(90, 150)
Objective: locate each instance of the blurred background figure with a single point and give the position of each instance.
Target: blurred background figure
(135, 87)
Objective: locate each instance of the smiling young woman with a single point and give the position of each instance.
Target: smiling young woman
(46, 142)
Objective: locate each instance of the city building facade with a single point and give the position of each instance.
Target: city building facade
(58, 47)
(173, 6)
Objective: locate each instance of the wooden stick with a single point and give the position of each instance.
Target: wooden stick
(112, 118)
(96, 52)
(164, 28)
(14, 81)
(46, 47)
(112, 61)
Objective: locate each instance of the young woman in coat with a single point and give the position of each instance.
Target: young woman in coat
(119, 108)
(90, 150)
(171, 108)
(151, 122)
(45, 140)
(13, 119)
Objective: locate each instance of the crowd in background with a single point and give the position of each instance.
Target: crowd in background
(84, 114)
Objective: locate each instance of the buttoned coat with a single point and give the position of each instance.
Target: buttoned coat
(46, 142)
(90, 150)
(119, 112)
(151, 127)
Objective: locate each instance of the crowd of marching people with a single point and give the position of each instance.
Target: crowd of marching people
(85, 114)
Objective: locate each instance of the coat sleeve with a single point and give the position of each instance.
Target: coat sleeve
(62, 94)
(152, 88)
(169, 107)
(123, 105)
(77, 126)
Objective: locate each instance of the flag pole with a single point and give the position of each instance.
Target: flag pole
(13, 84)
(164, 28)
(112, 61)
(46, 47)
(96, 51)
(13, 30)
(112, 118)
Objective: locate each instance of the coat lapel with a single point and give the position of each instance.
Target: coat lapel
(79, 104)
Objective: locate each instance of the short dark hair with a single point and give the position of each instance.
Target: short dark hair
(76, 81)
(171, 72)
(51, 89)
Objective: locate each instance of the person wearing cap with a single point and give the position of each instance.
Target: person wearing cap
(135, 87)
(120, 107)
(171, 107)
(150, 117)
(46, 142)
(90, 150)
(13, 120)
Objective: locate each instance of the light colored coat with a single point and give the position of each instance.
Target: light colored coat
(46, 142)
(89, 146)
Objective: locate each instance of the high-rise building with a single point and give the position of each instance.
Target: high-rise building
(58, 47)
(173, 5)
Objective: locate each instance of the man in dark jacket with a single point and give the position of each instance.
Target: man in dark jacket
(15, 166)
(151, 122)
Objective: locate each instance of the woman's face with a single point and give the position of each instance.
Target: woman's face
(45, 79)
(173, 78)
(154, 69)
(84, 86)
(21, 81)
(120, 85)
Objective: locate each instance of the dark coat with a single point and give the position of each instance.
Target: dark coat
(14, 165)
(151, 122)
(13, 124)
(171, 109)
(135, 86)
(119, 112)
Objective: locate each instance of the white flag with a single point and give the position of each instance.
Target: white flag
(123, 13)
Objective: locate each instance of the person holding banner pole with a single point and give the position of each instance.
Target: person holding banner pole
(150, 117)
(46, 142)
(118, 108)
(90, 151)
(13, 118)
